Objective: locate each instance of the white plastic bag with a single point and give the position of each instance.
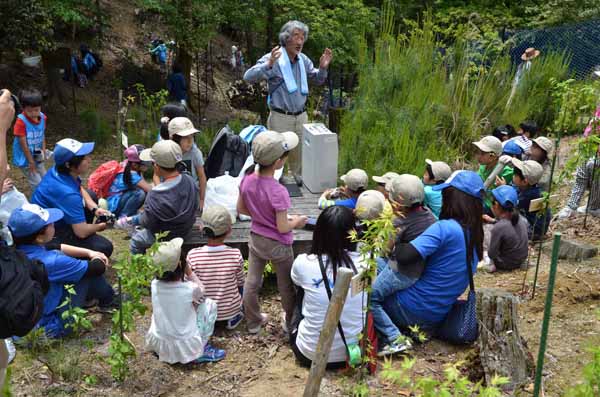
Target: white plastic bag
(223, 190)
(9, 202)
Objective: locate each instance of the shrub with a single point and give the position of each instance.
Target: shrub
(418, 100)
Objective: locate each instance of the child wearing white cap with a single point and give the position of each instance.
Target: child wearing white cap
(542, 150)
(267, 202)
(526, 177)
(182, 132)
(219, 267)
(170, 206)
(489, 150)
(182, 317)
(406, 194)
(355, 182)
(436, 173)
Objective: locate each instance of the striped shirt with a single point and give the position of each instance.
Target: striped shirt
(220, 268)
(583, 181)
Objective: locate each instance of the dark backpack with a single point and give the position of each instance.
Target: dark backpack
(23, 284)
(228, 153)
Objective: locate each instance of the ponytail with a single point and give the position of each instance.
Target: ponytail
(514, 217)
(127, 175)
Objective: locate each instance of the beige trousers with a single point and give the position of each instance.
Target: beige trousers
(281, 123)
(262, 249)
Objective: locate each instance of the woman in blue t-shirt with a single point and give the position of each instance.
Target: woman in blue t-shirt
(128, 191)
(427, 302)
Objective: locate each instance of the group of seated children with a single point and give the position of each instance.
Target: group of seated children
(439, 220)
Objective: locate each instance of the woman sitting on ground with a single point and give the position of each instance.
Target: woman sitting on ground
(331, 243)
(446, 253)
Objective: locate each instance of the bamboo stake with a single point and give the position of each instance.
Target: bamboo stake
(587, 207)
(334, 311)
(537, 264)
(547, 311)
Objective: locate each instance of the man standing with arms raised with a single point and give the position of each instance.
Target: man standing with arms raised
(288, 85)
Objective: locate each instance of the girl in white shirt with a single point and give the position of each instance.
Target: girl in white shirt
(182, 318)
(331, 241)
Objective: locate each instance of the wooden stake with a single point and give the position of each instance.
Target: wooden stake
(334, 311)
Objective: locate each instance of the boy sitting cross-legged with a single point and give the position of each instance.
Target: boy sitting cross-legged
(219, 267)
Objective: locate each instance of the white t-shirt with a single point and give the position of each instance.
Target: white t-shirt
(174, 334)
(306, 274)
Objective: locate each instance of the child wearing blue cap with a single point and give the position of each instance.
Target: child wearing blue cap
(513, 150)
(32, 228)
(508, 248)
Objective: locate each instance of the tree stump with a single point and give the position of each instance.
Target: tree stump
(502, 350)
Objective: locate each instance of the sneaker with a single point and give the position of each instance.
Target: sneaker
(565, 213)
(211, 355)
(284, 323)
(12, 351)
(256, 329)
(582, 211)
(395, 347)
(88, 304)
(486, 267)
(110, 307)
(124, 223)
(232, 323)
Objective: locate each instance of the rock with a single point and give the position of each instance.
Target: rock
(570, 249)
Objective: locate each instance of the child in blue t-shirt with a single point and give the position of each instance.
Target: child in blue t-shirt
(128, 190)
(355, 182)
(29, 145)
(436, 173)
(32, 228)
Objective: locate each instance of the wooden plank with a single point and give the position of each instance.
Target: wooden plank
(304, 205)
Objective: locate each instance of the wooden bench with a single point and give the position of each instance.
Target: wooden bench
(304, 205)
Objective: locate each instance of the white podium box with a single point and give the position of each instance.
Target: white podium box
(319, 157)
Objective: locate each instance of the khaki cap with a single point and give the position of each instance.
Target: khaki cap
(217, 219)
(441, 171)
(181, 126)
(532, 170)
(489, 144)
(406, 189)
(268, 146)
(546, 144)
(165, 153)
(355, 179)
(385, 178)
(168, 255)
(370, 205)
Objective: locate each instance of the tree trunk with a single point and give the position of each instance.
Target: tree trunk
(502, 350)
(185, 60)
(270, 21)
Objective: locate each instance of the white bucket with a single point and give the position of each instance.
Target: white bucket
(32, 61)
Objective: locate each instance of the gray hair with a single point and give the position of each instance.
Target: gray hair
(288, 29)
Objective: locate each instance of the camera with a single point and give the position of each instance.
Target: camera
(38, 156)
(15, 101)
(107, 218)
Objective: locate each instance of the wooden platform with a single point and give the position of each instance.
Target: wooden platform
(305, 205)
